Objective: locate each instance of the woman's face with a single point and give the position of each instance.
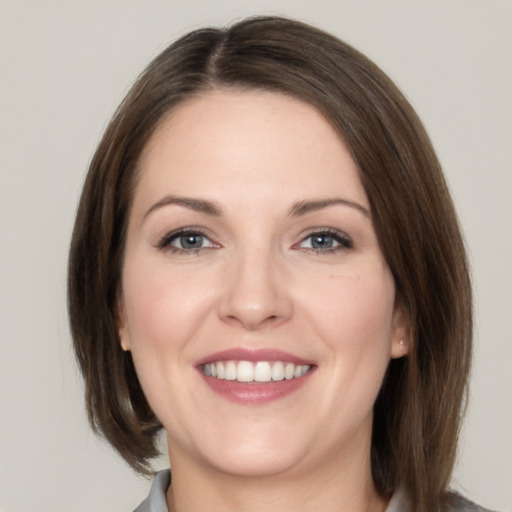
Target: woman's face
(256, 302)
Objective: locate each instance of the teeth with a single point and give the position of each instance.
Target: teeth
(262, 371)
(231, 373)
(289, 371)
(278, 371)
(244, 371)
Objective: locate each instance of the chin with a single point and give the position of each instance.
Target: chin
(250, 462)
(246, 452)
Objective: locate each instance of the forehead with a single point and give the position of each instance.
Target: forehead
(226, 141)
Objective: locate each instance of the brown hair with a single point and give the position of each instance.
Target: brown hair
(419, 408)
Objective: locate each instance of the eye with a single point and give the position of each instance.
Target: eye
(326, 241)
(185, 241)
(189, 241)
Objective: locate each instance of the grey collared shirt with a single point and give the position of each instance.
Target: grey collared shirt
(155, 502)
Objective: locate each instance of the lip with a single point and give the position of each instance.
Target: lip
(252, 355)
(254, 393)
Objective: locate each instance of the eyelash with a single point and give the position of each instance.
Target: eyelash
(164, 244)
(344, 241)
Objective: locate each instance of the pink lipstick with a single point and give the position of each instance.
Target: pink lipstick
(254, 376)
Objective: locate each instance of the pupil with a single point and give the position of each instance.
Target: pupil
(191, 241)
(321, 242)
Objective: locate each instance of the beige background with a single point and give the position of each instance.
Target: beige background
(65, 65)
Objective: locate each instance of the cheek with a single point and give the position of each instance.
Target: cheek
(352, 316)
(163, 308)
(164, 311)
(354, 319)
(355, 310)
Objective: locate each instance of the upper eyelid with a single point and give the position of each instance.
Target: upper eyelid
(186, 229)
(326, 230)
(344, 240)
(165, 239)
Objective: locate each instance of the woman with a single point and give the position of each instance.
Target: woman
(266, 264)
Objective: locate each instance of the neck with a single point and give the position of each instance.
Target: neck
(339, 487)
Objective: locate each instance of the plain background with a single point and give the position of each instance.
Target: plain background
(65, 65)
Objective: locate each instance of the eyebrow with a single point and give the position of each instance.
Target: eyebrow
(214, 209)
(198, 205)
(304, 207)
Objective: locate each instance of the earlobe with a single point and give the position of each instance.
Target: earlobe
(399, 349)
(124, 345)
(122, 327)
(400, 342)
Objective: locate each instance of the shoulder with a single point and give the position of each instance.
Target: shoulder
(455, 502)
(155, 502)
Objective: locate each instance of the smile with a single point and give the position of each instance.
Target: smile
(261, 371)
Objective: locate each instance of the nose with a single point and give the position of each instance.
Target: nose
(256, 292)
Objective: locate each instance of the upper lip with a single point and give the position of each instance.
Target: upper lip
(253, 355)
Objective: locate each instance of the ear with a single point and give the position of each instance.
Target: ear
(400, 343)
(122, 325)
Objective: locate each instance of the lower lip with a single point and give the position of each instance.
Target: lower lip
(255, 393)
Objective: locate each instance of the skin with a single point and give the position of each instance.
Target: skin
(257, 282)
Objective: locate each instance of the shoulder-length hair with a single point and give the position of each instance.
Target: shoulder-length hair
(418, 411)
